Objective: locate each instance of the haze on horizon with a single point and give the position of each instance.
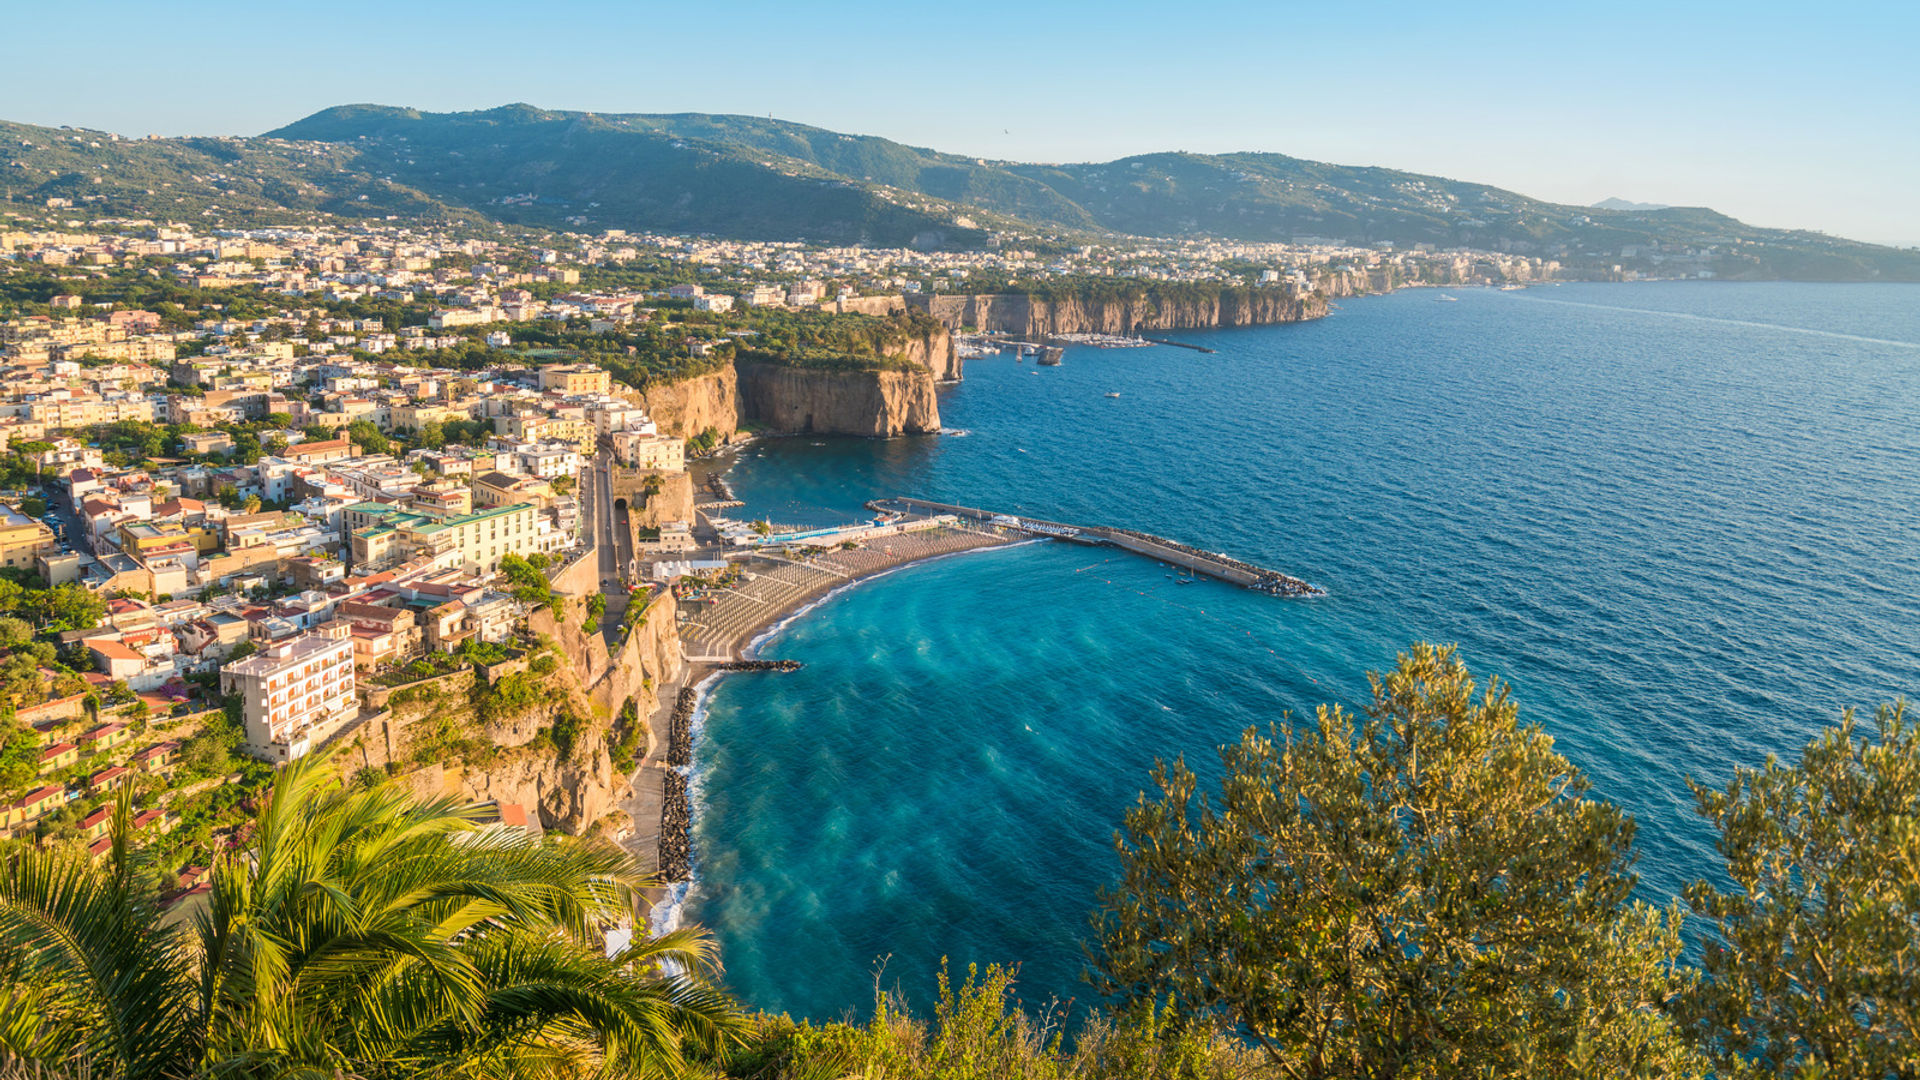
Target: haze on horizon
(1781, 116)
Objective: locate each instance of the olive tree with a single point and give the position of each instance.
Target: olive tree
(1812, 957)
(1423, 892)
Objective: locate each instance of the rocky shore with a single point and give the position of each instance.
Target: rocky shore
(676, 809)
(758, 665)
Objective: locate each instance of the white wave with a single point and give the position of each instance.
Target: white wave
(1808, 330)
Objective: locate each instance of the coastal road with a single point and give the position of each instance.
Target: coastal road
(615, 558)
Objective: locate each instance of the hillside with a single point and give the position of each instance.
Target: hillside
(758, 178)
(235, 180)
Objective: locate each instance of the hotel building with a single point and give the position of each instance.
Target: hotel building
(295, 693)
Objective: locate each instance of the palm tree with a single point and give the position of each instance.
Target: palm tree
(362, 933)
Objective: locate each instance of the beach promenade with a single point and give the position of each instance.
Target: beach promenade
(771, 586)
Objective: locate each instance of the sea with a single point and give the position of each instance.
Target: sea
(1679, 518)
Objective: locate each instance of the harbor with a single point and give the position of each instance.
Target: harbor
(1171, 552)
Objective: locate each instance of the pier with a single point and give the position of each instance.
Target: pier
(1180, 344)
(1212, 564)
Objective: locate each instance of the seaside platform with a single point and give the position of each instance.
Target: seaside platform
(1210, 563)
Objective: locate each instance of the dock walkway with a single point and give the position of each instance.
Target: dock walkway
(1213, 564)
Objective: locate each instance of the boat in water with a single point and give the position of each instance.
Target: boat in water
(1113, 393)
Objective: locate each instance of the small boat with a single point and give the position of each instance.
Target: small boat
(1111, 393)
(1443, 298)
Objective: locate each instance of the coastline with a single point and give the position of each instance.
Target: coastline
(669, 802)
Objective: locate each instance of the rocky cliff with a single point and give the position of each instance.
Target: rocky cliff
(813, 400)
(691, 406)
(648, 659)
(877, 404)
(440, 743)
(936, 353)
(1024, 315)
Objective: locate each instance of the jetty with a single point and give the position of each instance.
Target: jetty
(1179, 344)
(1210, 563)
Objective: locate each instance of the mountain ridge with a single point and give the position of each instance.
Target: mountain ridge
(761, 178)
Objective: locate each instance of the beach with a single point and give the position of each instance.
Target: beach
(721, 626)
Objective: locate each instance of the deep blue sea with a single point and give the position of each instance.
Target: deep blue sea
(1679, 518)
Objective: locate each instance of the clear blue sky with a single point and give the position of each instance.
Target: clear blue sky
(1804, 115)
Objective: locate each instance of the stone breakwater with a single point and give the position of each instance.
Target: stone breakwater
(676, 808)
(1213, 564)
(1271, 582)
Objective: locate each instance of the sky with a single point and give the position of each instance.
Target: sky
(1801, 115)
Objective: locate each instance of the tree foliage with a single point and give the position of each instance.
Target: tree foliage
(1812, 962)
(363, 933)
(1425, 892)
(368, 437)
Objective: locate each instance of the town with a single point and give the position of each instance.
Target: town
(256, 480)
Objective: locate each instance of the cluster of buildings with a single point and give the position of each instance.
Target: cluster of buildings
(472, 283)
(764, 273)
(318, 557)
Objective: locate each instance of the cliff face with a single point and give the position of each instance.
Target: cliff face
(936, 353)
(812, 400)
(648, 659)
(876, 404)
(691, 406)
(1026, 316)
(569, 793)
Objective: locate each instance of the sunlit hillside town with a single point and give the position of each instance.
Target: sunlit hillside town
(277, 511)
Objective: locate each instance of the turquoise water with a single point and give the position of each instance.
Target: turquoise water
(1678, 517)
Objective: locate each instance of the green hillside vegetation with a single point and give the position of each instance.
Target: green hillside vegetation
(237, 181)
(757, 178)
(837, 342)
(531, 166)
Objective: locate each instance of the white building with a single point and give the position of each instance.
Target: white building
(451, 317)
(548, 461)
(639, 450)
(295, 693)
(713, 303)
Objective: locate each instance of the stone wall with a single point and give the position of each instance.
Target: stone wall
(375, 696)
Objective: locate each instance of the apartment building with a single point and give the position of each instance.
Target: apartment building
(639, 450)
(23, 539)
(576, 379)
(473, 542)
(295, 693)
